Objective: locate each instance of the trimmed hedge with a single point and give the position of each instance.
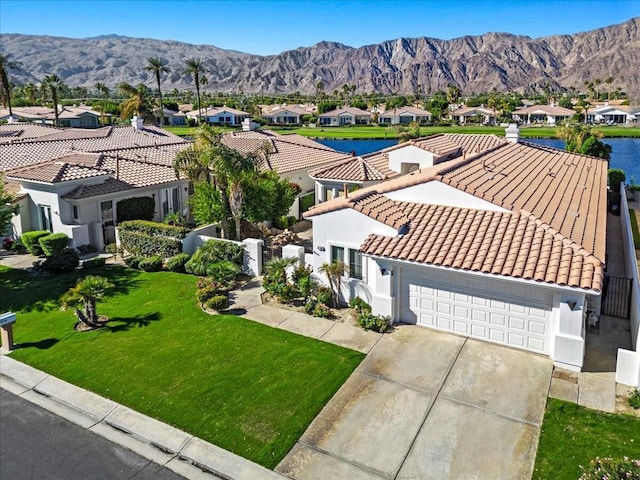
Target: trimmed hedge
(142, 244)
(64, 261)
(136, 208)
(31, 242)
(154, 228)
(151, 264)
(53, 243)
(94, 262)
(176, 263)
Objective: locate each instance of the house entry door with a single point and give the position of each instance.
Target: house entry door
(108, 225)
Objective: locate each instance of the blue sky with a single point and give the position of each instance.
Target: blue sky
(270, 27)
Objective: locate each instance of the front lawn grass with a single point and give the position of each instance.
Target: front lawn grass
(243, 386)
(573, 435)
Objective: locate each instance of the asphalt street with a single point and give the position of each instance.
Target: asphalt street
(35, 444)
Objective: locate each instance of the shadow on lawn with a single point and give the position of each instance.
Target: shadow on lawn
(26, 293)
(41, 345)
(123, 324)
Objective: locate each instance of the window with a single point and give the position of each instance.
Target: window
(75, 212)
(337, 254)
(170, 198)
(355, 264)
(44, 212)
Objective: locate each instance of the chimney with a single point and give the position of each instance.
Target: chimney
(248, 125)
(137, 122)
(346, 190)
(512, 133)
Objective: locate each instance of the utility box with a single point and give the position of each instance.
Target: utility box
(6, 330)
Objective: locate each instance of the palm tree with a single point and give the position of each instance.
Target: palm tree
(137, 103)
(195, 68)
(87, 292)
(30, 92)
(158, 66)
(103, 90)
(334, 271)
(609, 81)
(53, 83)
(7, 64)
(597, 83)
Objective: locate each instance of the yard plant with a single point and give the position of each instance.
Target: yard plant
(241, 385)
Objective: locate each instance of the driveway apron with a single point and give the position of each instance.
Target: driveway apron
(425, 404)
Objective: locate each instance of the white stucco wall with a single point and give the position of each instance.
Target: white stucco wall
(407, 155)
(438, 193)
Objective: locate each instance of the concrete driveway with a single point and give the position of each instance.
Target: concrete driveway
(425, 404)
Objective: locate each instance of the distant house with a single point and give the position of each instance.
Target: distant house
(68, 116)
(404, 115)
(71, 180)
(480, 115)
(344, 116)
(219, 116)
(548, 114)
(613, 114)
(169, 117)
(285, 114)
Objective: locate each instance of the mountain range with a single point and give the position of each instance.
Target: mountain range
(406, 65)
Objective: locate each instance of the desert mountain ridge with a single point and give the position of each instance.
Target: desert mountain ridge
(480, 63)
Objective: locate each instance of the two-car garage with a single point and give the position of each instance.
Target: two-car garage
(499, 311)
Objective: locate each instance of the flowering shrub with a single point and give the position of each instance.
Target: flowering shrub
(7, 243)
(611, 469)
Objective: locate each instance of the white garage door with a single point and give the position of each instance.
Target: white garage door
(491, 310)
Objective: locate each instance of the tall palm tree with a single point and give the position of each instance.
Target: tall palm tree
(103, 90)
(195, 69)
(30, 92)
(137, 103)
(609, 81)
(87, 292)
(7, 64)
(597, 83)
(53, 83)
(158, 66)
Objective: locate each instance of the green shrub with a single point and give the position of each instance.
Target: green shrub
(111, 248)
(175, 219)
(615, 176)
(214, 251)
(61, 262)
(206, 292)
(176, 263)
(285, 292)
(359, 305)
(302, 280)
(137, 208)
(94, 262)
(281, 222)
(142, 244)
(611, 469)
(634, 399)
(151, 264)
(324, 295)
(31, 242)
(53, 243)
(321, 310)
(217, 303)
(377, 323)
(310, 306)
(133, 261)
(154, 228)
(18, 246)
(224, 271)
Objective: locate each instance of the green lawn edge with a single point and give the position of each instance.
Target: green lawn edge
(572, 435)
(634, 228)
(375, 132)
(246, 387)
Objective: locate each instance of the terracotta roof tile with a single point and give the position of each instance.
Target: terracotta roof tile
(509, 244)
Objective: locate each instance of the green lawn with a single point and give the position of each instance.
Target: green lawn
(572, 436)
(243, 386)
(381, 132)
(634, 228)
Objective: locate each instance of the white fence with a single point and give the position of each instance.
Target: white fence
(628, 363)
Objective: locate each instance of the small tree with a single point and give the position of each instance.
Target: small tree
(616, 176)
(334, 271)
(86, 293)
(7, 208)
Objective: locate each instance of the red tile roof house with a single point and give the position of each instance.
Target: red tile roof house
(291, 156)
(285, 114)
(70, 180)
(504, 242)
(219, 116)
(404, 115)
(344, 116)
(482, 115)
(548, 114)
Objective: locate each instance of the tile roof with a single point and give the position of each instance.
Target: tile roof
(19, 132)
(546, 109)
(287, 153)
(510, 244)
(566, 191)
(472, 110)
(408, 109)
(348, 110)
(213, 111)
(355, 169)
(56, 171)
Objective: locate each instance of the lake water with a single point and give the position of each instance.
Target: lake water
(625, 153)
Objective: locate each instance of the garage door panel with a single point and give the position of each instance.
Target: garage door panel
(514, 315)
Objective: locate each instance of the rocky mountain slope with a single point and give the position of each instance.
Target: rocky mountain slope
(473, 63)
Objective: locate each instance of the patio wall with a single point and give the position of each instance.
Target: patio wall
(628, 364)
